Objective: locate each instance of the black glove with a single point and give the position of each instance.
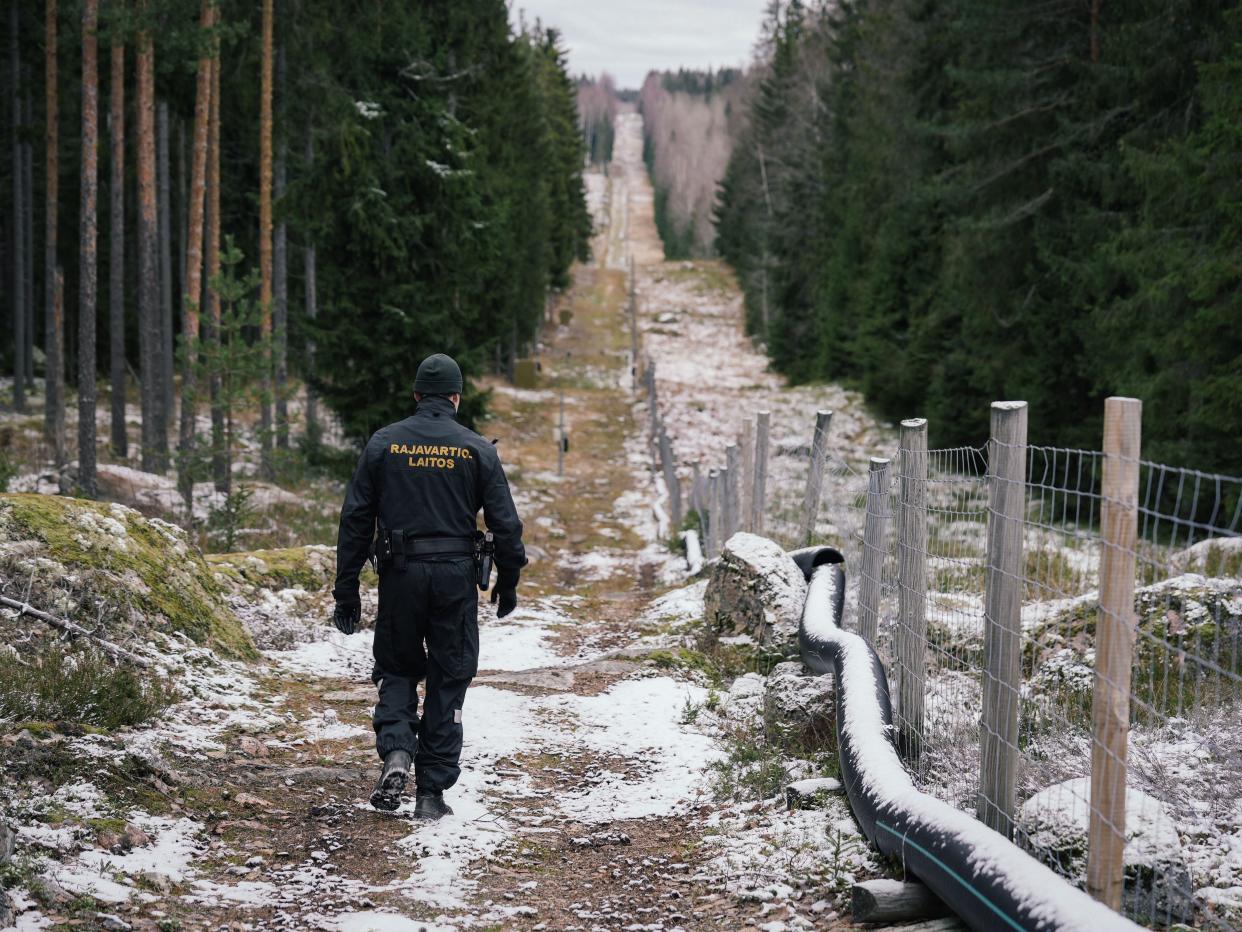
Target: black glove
(505, 591)
(346, 616)
(507, 599)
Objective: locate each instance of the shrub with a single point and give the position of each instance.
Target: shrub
(79, 686)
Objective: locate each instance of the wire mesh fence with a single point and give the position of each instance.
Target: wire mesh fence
(984, 577)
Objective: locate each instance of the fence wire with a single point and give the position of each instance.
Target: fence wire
(917, 552)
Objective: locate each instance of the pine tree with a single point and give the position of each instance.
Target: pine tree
(54, 348)
(20, 243)
(88, 253)
(154, 435)
(192, 298)
(265, 237)
(116, 238)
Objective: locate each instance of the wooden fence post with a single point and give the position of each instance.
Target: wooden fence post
(875, 548)
(713, 514)
(670, 480)
(696, 498)
(1114, 650)
(758, 496)
(815, 476)
(653, 406)
(745, 475)
(1002, 634)
(911, 642)
(732, 483)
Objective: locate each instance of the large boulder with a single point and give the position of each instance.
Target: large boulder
(117, 569)
(756, 589)
(1191, 624)
(1053, 826)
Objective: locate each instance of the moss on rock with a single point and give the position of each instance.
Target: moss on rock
(308, 568)
(98, 557)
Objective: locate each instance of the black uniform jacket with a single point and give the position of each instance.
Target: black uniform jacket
(427, 476)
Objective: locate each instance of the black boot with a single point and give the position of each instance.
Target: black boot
(430, 805)
(387, 795)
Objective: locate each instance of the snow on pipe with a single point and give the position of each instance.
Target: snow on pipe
(694, 551)
(986, 879)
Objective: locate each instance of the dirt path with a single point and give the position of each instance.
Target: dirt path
(586, 800)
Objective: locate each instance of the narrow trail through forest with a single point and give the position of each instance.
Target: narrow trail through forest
(586, 799)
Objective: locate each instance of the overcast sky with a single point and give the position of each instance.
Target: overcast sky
(628, 38)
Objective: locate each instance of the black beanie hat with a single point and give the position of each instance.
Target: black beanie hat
(438, 375)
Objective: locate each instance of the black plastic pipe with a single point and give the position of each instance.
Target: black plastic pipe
(986, 879)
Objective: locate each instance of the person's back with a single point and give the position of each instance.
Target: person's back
(415, 496)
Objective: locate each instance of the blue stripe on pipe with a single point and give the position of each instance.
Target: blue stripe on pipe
(905, 840)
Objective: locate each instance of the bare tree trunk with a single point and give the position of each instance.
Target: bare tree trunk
(194, 268)
(87, 297)
(154, 437)
(163, 195)
(19, 244)
(116, 258)
(54, 414)
(265, 242)
(219, 463)
(280, 256)
(29, 236)
(280, 309)
(312, 311)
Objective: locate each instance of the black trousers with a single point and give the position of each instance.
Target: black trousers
(428, 627)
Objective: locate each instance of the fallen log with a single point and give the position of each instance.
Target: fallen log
(894, 901)
(74, 629)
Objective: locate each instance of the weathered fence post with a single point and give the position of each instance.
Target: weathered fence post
(633, 326)
(732, 484)
(1002, 609)
(758, 496)
(654, 426)
(1114, 650)
(911, 643)
(713, 514)
(696, 499)
(875, 548)
(670, 480)
(722, 502)
(745, 475)
(815, 476)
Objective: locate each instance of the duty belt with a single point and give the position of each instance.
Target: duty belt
(397, 547)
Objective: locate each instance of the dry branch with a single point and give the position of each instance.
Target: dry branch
(69, 627)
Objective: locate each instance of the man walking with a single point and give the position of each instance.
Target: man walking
(415, 495)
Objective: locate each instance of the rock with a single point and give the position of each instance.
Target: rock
(810, 794)
(8, 841)
(135, 836)
(110, 841)
(112, 923)
(799, 700)
(1053, 826)
(756, 589)
(8, 915)
(743, 703)
(252, 746)
(245, 799)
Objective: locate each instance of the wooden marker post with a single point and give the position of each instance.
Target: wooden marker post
(815, 476)
(875, 535)
(1002, 609)
(911, 643)
(758, 496)
(1114, 650)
